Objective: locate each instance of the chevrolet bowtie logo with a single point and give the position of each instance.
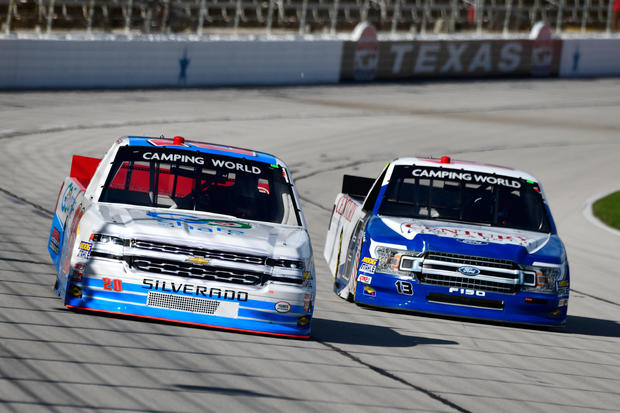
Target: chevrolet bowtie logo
(198, 260)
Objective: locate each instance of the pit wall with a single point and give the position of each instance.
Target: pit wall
(145, 63)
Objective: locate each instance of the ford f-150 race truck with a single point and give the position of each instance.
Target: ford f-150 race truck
(185, 231)
(452, 238)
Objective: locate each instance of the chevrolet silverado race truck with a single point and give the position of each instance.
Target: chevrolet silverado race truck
(452, 238)
(185, 231)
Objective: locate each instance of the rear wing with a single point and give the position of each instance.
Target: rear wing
(356, 186)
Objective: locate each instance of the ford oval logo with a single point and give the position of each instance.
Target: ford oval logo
(469, 271)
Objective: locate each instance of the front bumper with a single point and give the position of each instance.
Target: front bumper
(274, 308)
(522, 307)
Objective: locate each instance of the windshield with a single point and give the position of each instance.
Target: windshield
(184, 180)
(465, 196)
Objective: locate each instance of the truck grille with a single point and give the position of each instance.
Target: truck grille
(185, 269)
(468, 282)
(199, 252)
(179, 302)
(192, 304)
(494, 275)
(472, 260)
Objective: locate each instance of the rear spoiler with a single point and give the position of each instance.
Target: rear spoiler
(83, 168)
(356, 186)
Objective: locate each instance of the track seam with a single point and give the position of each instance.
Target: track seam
(394, 377)
(595, 297)
(24, 200)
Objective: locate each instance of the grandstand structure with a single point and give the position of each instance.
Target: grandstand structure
(202, 17)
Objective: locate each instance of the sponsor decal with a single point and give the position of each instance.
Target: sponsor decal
(236, 166)
(346, 207)
(366, 55)
(467, 177)
(84, 250)
(563, 291)
(543, 50)
(471, 241)
(303, 321)
(563, 283)
(192, 289)
(75, 291)
(469, 271)
(307, 302)
(307, 275)
(173, 219)
(173, 157)
(283, 307)
(466, 291)
(55, 240)
(112, 284)
(404, 287)
(366, 279)
(369, 291)
(368, 268)
(371, 261)
(460, 233)
(563, 302)
(198, 260)
(450, 58)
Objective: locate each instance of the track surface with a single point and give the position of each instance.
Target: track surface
(567, 133)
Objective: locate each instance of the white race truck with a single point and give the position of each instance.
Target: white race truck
(185, 231)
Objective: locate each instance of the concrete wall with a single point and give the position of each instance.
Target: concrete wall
(135, 63)
(26, 63)
(590, 57)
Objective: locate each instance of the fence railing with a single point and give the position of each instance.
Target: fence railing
(303, 16)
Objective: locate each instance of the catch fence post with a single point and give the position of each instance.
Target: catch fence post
(9, 15)
(507, 17)
(610, 8)
(302, 19)
(50, 16)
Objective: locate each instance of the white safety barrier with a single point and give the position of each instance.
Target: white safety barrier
(143, 62)
(590, 57)
(43, 63)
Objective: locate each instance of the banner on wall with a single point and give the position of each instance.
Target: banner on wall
(450, 58)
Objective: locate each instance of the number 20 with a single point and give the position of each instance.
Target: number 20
(404, 287)
(109, 284)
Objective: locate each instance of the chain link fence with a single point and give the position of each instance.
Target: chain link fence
(304, 16)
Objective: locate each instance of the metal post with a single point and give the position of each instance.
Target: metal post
(424, 17)
(269, 16)
(127, 14)
(50, 16)
(396, 16)
(201, 17)
(609, 15)
(302, 21)
(237, 16)
(9, 15)
(147, 14)
(164, 17)
(364, 12)
(334, 17)
(453, 13)
(559, 16)
(584, 16)
(507, 17)
(89, 17)
(479, 5)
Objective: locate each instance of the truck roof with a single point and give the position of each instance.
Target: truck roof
(179, 142)
(448, 163)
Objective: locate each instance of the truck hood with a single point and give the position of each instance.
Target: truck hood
(521, 246)
(201, 230)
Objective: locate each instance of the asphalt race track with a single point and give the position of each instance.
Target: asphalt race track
(567, 133)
